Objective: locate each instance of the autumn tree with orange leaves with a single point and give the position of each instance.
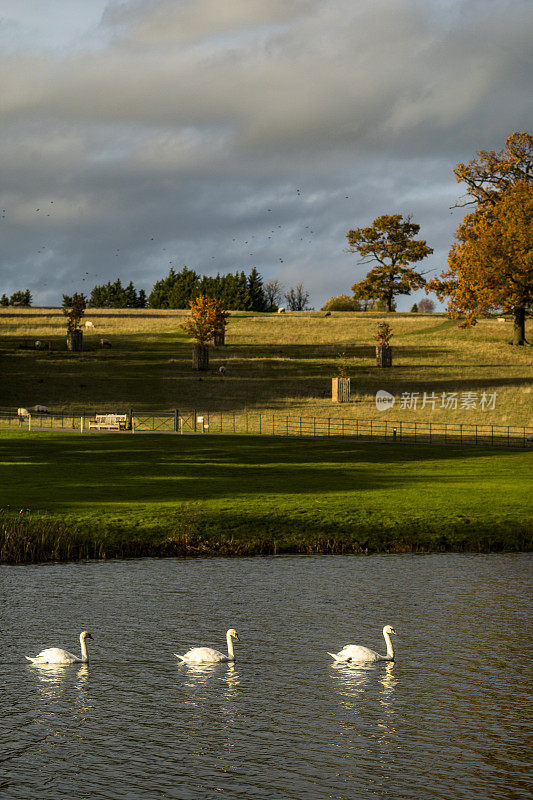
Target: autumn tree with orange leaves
(390, 242)
(207, 318)
(490, 267)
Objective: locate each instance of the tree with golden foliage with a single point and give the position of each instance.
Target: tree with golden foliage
(390, 242)
(490, 267)
(203, 319)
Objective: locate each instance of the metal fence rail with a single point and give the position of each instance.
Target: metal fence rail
(264, 424)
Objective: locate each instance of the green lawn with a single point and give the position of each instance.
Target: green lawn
(165, 493)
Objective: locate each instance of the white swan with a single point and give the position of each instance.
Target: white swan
(55, 655)
(206, 655)
(354, 653)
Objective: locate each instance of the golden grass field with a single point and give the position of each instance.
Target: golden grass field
(274, 363)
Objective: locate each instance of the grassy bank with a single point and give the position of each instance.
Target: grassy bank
(115, 496)
(275, 363)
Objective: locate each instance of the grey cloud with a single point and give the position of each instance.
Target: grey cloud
(196, 118)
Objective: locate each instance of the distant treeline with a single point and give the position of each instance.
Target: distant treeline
(238, 292)
(21, 298)
(114, 295)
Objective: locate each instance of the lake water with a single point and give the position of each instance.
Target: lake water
(447, 720)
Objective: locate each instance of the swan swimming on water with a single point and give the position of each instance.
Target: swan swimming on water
(55, 655)
(355, 654)
(206, 655)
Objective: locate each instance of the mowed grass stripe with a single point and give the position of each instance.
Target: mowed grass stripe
(260, 494)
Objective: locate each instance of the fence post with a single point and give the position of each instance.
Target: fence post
(259, 423)
(81, 424)
(176, 420)
(29, 423)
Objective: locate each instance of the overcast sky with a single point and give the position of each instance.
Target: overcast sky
(228, 134)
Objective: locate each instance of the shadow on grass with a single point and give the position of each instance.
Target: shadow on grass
(47, 471)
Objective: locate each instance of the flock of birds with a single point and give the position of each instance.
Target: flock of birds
(350, 654)
(306, 235)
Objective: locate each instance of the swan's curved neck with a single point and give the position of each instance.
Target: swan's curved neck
(84, 656)
(390, 648)
(230, 646)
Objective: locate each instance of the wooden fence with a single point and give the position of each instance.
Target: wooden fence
(265, 424)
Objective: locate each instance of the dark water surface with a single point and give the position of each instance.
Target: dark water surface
(447, 720)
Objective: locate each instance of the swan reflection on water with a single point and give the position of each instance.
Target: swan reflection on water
(201, 674)
(352, 682)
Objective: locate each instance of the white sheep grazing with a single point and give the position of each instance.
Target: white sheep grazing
(89, 324)
(501, 319)
(281, 310)
(222, 370)
(105, 342)
(41, 409)
(37, 344)
(23, 412)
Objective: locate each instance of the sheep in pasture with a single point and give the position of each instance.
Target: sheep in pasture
(89, 324)
(222, 370)
(105, 342)
(501, 319)
(281, 310)
(23, 412)
(37, 344)
(41, 409)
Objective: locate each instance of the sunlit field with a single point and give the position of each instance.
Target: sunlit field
(274, 363)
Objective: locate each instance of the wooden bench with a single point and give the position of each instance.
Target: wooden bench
(110, 422)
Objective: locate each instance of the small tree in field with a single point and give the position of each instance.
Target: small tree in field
(390, 242)
(221, 323)
(201, 326)
(383, 349)
(74, 309)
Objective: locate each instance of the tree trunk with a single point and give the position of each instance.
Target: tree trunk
(389, 303)
(75, 341)
(519, 325)
(200, 357)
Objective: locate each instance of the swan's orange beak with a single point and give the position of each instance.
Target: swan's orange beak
(237, 636)
(394, 632)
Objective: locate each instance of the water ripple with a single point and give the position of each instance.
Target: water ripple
(447, 720)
